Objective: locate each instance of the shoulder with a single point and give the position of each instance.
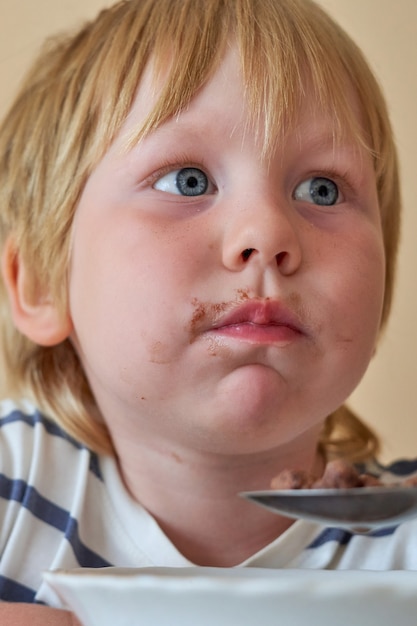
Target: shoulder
(24, 417)
(46, 481)
(28, 437)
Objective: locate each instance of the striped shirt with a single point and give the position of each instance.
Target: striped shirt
(63, 507)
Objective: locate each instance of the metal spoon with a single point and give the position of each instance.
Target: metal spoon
(359, 509)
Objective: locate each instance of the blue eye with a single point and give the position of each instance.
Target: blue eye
(321, 191)
(188, 181)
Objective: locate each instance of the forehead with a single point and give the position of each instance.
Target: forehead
(224, 98)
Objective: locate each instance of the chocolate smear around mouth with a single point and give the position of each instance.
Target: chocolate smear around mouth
(205, 313)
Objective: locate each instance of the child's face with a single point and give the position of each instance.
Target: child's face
(217, 301)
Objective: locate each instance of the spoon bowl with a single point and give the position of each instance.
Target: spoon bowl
(359, 509)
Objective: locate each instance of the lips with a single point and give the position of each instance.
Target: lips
(260, 321)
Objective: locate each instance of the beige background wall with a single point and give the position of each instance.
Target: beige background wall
(387, 32)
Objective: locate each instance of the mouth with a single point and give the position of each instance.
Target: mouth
(260, 321)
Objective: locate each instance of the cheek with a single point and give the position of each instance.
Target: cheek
(359, 282)
(369, 276)
(351, 284)
(129, 289)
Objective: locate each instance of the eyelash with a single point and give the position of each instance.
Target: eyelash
(340, 178)
(178, 164)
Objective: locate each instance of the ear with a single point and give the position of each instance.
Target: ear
(34, 314)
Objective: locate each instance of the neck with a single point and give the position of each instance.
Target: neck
(194, 497)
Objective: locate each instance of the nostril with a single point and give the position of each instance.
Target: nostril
(246, 253)
(280, 257)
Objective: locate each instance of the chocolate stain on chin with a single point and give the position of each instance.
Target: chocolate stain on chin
(217, 348)
(157, 353)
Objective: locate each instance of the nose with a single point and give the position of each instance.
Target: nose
(263, 231)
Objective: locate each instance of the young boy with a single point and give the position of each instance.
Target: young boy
(199, 221)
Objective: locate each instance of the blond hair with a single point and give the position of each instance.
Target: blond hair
(80, 90)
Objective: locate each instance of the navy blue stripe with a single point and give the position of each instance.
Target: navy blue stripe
(39, 418)
(52, 429)
(11, 591)
(94, 466)
(53, 515)
(339, 535)
(342, 536)
(402, 467)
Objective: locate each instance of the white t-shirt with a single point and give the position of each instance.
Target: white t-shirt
(63, 507)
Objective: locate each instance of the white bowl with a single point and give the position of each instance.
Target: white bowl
(237, 597)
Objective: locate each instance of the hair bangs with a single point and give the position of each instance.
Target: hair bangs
(290, 60)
